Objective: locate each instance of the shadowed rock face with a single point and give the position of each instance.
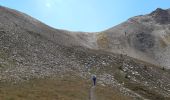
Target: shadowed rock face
(161, 16)
(143, 41)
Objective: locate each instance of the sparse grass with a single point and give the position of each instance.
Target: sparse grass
(46, 89)
(106, 93)
(66, 88)
(138, 88)
(145, 91)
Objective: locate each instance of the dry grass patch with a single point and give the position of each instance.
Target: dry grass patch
(46, 89)
(106, 93)
(66, 88)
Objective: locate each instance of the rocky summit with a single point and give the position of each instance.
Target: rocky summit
(130, 60)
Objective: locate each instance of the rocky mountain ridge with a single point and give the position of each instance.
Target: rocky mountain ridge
(145, 37)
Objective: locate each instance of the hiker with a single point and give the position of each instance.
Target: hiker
(94, 80)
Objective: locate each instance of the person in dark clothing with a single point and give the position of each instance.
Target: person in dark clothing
(94, 80)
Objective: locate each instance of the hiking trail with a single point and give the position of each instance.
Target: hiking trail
(92, 93)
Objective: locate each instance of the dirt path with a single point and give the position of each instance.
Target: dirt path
(92, 93)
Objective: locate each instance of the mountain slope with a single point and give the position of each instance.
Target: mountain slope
(144, 37)
(15, 22)
(32, 51)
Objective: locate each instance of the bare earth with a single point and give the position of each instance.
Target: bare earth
(92, 93)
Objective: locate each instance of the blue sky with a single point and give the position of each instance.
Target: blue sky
(84, 15)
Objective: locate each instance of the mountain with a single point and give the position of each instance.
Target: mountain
(145, 37)
(40, 62)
